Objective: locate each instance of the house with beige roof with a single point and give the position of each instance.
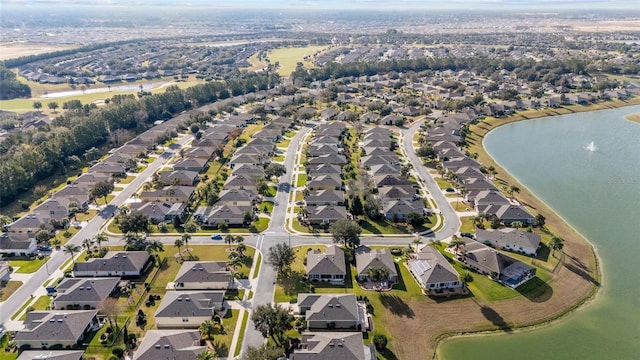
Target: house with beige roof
(170, 344)
(367, 258)
(432, 271)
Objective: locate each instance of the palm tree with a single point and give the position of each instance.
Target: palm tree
(87, 244)
(377, 273)
(303, 213)
(241, 248)
(178, 243)
(99, 238)
(456, 242)
(185, 239)
(71, 249)
(206, 355)
(513, 189)
(124, 210)
(229, 239)
(207, 328)
(147, 186)
(557, 243)
(477, 220)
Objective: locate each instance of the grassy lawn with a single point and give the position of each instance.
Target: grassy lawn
(266, 207)
(288, 57)
(41, 304)
(126, 180)
(301, 180)
(278, 158)
(299, 196)
(100, 201)
(467, 225)
(284, 143)
(460, 206)
(384, 226)
(243, 328)
(256, 64)
(272, 191)
(4, 355)
(442, 183)
(26, 266)
(24, 306)
(258, 263)
(250, 130)
(214, 168)
(290, 134)
(299, 227)
(262, 224)
(8, 290)
(87, 215)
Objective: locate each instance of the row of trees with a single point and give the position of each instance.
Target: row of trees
(11, 87)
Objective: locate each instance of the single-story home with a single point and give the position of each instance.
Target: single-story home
(170, 344)
(188, 309)
(325, 214)
(432, 271)
(367, 258)
(85, 293)
(330, 311)
(18, 244)
(510, 239)
(51, 355)
(44, 329)
(332, 345)
(327, 266)
(114, 263)
(500, 267)
(203, 275)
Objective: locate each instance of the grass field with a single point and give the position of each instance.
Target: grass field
(41, 304)
(16, 50)
(243, 327)
(288, 57)
(26, 266)
(9, 289)
(301, 180)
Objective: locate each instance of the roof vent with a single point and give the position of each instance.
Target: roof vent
(88, 287)
(337, 305)
(179, 299)
(157, 346)
(81, 288)
(187, 299)
(167, 346)
(340, 344)
(60, 320)
(52, 320)
(124, 256)
(330, 305)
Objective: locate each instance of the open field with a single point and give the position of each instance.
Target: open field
(288, 57)
(9, 289)
(633, 117)
(16, 50)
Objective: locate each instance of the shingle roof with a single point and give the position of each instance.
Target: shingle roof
(330, 345)
(367, 257)
(51, 355)
(329, 307)
(509, 236)
(85, 290)
(431, 267)
(115, 261)
(52, 326)
(331, 262)
(203, 271)
(169, 344)
(189, 303)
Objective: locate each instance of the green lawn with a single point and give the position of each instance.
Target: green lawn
(87, 215)
(272, 191)
(442, 183)
(100, 201)
(288, 57)
(126, 180)
(41, 304)
(290, 134)
(299, 227)
(284, 144)
(262, 224)
(243, 328)
(467, 225)
(382, 227)
(27, 266)
(258, 263)
(268, 205)
(8, 290)
(278, 158)
(301, 180)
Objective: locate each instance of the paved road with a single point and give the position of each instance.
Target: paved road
(451, 220)
(58, 257)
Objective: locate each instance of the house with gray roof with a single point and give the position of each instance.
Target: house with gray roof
(232, 215)
(510, 239)
(325, 182)
(327, 266)
(44, 329)
(188, 309)
(18, 244)
(169, 194)
(330, 311)
(488, 198)
(500, 267)
(203, 275)
(432, 271)
(51, 355)
(178, 177)
(399, 210)
(390, 180)
(332, 345)
(367, 258)
(325, 197)
(170, 344)
(326, 214)
(336, 159)
(191, 164)
(160, 211)
(114, 263)
(85, 293)
(324, 169)
(510, 213)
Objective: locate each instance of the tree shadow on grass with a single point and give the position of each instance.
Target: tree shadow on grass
(366, 225)
(221, 349)
(396, 305)
(295, 283)
(388, 354)
(580, 271)
(495, 318)
(536, 290)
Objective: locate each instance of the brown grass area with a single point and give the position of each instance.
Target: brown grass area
(633, 117)
(14, 50)
(573, 282)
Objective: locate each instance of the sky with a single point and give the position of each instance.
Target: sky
(360, 4)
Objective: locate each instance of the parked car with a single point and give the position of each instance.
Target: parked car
(216, 237)
(466, 234)
(450, 190)
(44, 248)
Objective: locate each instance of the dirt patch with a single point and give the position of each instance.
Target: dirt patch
(15, 50)
(633, 117)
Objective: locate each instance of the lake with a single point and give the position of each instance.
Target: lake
(598, 193)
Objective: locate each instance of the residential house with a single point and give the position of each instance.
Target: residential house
(367, 258)
(222, 213)
(188, 309)
(170, 344)
(160, 211)
(113, 169)
(324, 169)
(510, 213)
(388, 193)
(203, 275)
(432, 271)
(191, 164)
(238, 197)
(332, 345)
(399, 210)
(201, 152)
(327, 266)
(17, 244)
(239, 182)
(390, 180)
(500, 267)
(86, 293)
(249, 170)
(326, 214)
(51, 355)
(178, 177)
(169, 194)
(330, 311)
(336, 159)
(114, 263)
(510, 239)
(44, 329)
(325, 197)
(487, 198)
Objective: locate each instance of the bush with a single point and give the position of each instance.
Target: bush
(119, 352)
(380, 341)
(396, 251)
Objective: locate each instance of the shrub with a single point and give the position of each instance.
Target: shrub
(117, 351)
(380, 341)
(396, 251)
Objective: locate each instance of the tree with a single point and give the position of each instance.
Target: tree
(43, 236)
(377, 273)
(280, 257)
(415, 219)
(262, 187)
(229, 239)
(100, 238)
(87, 243)
(241, 248)
(134, 221)
(71, 249)
(247, 217)
(346, 232)
(102, 189)
(456, 242)
(380, 341)
(37, 105)
(185, 239)
(272, 321)
(513, 189)
(53, 106)
(356, 209)
(190, 227)
(556, 243)
(540, 220)
(206, 355)
(207, 328)
(517, 224)
(275, 169)
(178, 243)
(264, 352)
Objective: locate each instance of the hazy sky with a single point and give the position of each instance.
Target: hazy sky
(361, 4)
